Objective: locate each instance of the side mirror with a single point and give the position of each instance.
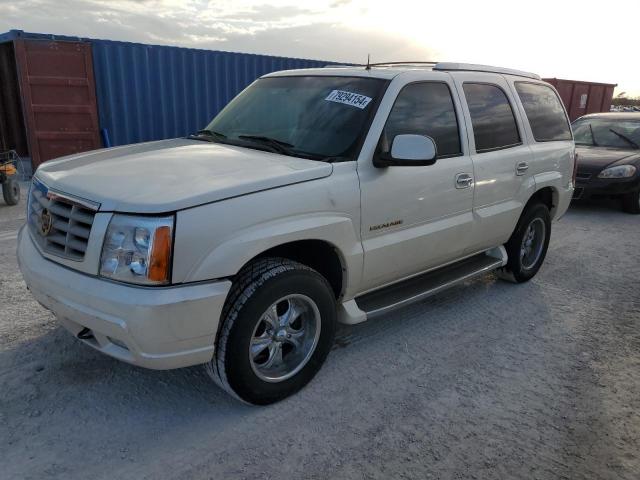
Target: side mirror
(408, 151)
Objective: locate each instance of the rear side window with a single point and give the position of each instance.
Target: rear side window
(425, 109)
(494, 126)
(544, 111)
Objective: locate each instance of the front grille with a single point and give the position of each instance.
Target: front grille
(583, 175)
(60, 224)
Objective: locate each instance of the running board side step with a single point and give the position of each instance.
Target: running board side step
(417, 288)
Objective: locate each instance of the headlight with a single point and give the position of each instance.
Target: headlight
(138, 249)
(621, 171)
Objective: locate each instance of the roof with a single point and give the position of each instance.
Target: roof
(616, 115)
(472, 67)
(392, 69)
(385, 73)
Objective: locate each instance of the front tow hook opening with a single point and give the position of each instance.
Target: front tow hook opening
(85, 334)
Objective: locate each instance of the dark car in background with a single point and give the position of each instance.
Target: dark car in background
(608, 149)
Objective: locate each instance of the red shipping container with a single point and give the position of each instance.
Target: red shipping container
(58, 98)
(581, 97)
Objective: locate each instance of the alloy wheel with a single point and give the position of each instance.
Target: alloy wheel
(284, 338)
(532, 243)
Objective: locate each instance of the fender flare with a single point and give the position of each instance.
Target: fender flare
(227, 258)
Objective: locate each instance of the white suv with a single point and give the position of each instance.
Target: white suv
(315, 197)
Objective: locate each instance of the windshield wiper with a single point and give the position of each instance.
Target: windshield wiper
(625, 138)
(277, 145)
(286, 148)
(207, 135)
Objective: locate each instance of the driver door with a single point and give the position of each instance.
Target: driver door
(415, 218)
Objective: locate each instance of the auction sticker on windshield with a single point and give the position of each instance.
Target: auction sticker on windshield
(348, 98)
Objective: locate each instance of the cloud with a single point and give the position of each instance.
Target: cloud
(339, 3)
(293, 31)
(327, 42)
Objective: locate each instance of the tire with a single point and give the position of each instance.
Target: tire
(631, 202)
(11, 191)
(248, 323)
(521, 268)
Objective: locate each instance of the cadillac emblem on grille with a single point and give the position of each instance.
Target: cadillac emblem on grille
(46, 222)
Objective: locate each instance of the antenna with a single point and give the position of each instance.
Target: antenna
(368, 67)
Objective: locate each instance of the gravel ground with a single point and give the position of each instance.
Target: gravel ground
(488, 380)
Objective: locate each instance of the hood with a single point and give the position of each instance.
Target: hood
(173, 174)
(596, 158)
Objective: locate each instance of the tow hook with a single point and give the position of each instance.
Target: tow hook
(85, 334)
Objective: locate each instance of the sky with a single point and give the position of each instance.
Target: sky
(579, 40)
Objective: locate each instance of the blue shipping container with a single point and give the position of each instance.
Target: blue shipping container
(150, 92)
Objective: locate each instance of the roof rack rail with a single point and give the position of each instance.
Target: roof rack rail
(343, 65)
(471, 67)
(392, 64)
(447, 66)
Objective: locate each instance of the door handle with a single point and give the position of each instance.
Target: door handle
(521, 168)
(463, 180)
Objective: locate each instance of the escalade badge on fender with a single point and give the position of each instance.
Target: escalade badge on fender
(46, 222)
(385, 225)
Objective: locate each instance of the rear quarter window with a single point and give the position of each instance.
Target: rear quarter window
(544, 111)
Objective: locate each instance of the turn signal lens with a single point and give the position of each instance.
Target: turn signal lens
(159, 262)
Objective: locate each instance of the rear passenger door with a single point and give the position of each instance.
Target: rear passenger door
(501, 157)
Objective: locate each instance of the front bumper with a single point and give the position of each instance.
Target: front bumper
(605, 187)
(159, 328)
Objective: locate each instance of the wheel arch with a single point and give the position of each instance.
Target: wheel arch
(548, 196)
(321, 255)
(204, 253)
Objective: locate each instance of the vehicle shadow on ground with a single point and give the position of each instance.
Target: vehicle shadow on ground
(56, 363)
(599, 205)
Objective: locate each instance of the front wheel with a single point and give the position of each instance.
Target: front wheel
(631, 202)
(527, 247)
(278, 327)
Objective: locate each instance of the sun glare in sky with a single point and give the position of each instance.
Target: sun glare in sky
(576, 40)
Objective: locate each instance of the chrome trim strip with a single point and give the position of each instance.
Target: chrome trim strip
(54, 194)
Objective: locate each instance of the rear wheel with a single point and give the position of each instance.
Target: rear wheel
(528, 244)
(631, 202)
(279, 324)
(11, 191)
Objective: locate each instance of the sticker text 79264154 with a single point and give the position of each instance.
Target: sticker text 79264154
(348, 98)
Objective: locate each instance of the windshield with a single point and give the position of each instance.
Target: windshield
(607, 132)
(319, 117)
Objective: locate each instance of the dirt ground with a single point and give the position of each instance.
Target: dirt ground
(488, 380)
